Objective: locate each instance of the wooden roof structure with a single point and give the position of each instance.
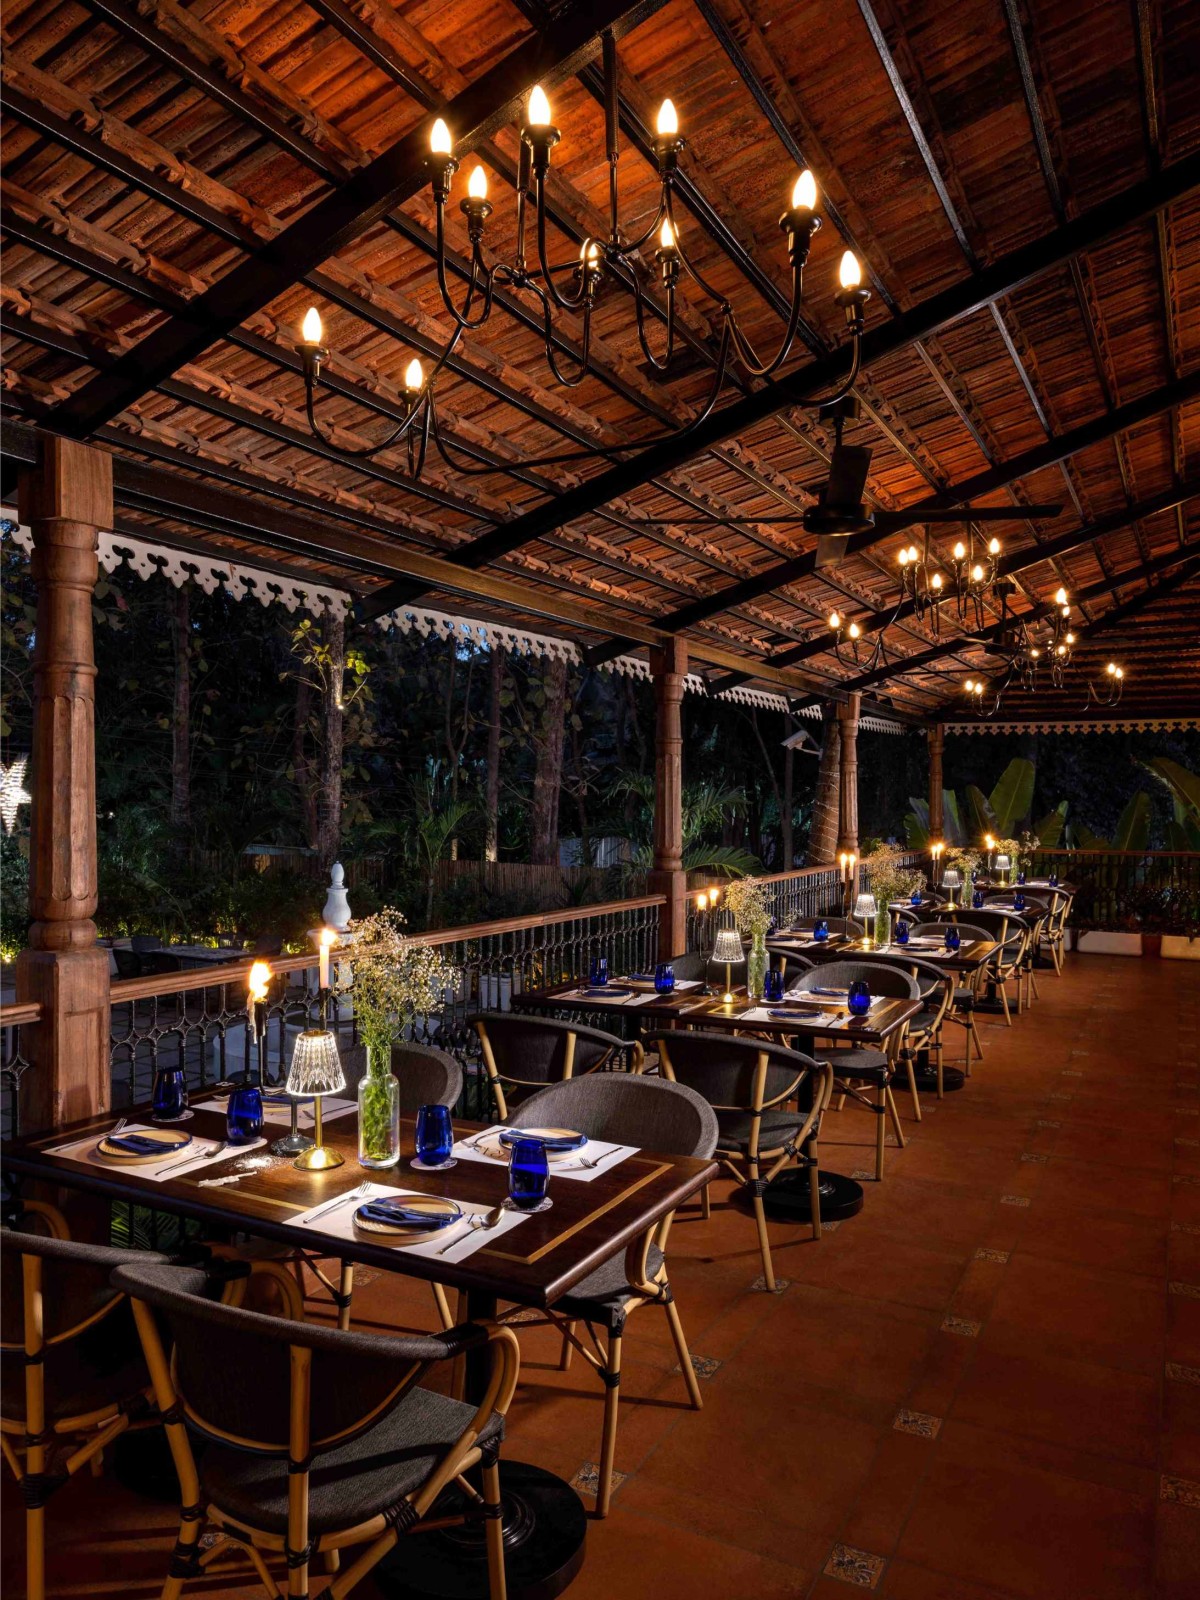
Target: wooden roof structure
(1022, 182)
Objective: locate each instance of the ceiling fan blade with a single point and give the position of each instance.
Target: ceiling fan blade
(831, 547)
(848, 468)
(907, 519)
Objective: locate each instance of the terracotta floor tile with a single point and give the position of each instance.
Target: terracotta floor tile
(1113, 1319)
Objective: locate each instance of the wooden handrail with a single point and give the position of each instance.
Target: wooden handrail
(16, 1016)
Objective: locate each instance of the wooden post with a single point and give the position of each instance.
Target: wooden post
(937, 743)
(64, 500)
(669, 666)
(848, 788)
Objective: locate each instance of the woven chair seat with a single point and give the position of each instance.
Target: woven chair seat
(358, 1480)
(858, 1062)
(606, 1290)
(775, 1129)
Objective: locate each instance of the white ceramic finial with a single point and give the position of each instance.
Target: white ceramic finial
(336, 911)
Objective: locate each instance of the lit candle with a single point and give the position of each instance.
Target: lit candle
(328, 937)
(701, 901)
(260, 978)
(714, 894)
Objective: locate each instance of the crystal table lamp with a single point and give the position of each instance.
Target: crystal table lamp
(951, 879)
(1003, 866)
(316, 1070)
(865, 909)
(728, 949)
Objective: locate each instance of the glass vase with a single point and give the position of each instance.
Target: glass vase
(378, 1112)
(756, 966)
(883, 925)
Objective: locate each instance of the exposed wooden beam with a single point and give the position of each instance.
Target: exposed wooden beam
(557, 52)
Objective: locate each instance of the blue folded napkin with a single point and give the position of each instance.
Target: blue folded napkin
(641, 977)
(139, 1144)
(572, 1141)
(394, 1213)
(815, 990)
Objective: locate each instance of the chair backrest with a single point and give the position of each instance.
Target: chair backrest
(891, 982)
(690, 966)
(525, 1052)
(935, 984)
(654, 1113)
(427, 1076)
(966, 930)
(233, 1370)
(143, 942)
(725, 1069)
(789, 962)
(129, 965)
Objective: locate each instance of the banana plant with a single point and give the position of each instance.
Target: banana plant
(1132, 831)
(1184, 828)
(916, 821)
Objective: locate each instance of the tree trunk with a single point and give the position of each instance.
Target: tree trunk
(491, 800)
(332, 746)
(302, 765)
(822, 843)
(181, 717)
(786, 824)
(547, 780)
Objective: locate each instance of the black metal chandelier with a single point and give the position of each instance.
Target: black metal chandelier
(574, 287)
(1033, 650)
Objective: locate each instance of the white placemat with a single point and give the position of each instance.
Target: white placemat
(451, 1244)
(810, 1019)
(638, 998)
(279, 1115)
(815, 998)
(177, 1164)
(607, 1155)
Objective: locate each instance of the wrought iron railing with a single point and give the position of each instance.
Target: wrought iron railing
(1150, 891)
(14, 1064)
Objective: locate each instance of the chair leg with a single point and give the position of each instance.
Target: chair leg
(345, 1294)
(494, 1532)
(841, 1105)
(912, 1086)
(880, 1130)
(814, 1192)
(1004, 1003)
(764, 1244)
(978, 1037)
(681, 1350)
(895, 1117)
(705, 1204)
(35, 1552)
(608, 1444)
(187, 1550)
(568, 1349)
(332, 1560)
(937, 1056)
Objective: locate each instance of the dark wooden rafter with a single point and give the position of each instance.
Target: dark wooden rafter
(348, 211)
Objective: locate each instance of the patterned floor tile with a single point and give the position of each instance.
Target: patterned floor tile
(1034, 1158)
(1181, 1374)
(703, 1366)
(858, 1567)
(587, 1479)
(861, 1173)
(760, 1283)
(1021, 1201)
(1000, 1257)
(918, 1422)
(1181, 1490)
(962, 1326)
(1186, 1291)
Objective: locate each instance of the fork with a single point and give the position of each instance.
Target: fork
(343, 1199)
(475, 1224)
(118, 1127)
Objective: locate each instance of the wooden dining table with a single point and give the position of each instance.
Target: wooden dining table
(533, 1264)
(787, 1197)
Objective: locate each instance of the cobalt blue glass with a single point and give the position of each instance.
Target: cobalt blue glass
(901, 931)
(528, 1174)
(820, 929)
(773, 984)
(599, 972)
(953, 939)
(244, 1114)
(170, 1094)
(1054, 880)
(915, 898)
(1020, 877)
(664, 977)
(858, 998)
(1018, 902)
(977, 899)
(435, 1135)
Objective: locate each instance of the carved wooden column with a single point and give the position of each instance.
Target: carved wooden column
(669, 667)
(848, 791)
(64, 501)
(937, 744)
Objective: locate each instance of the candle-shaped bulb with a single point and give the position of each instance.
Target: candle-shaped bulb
(969, 686)
(539, 108)
(1062, 650)
(1120, 674)
(804, 192)
(849, 272)
(855, 630)
(666, 234)
(701, 902)
(589, 251)
(960, 551)
(936, 581)
(668, 119)
(835, 621)
(311, 330)
(1111, 669)
(1060, 597)
(993, 547)
(1070, 638)
(902, 558)
(414, 376)
(477, 184)
(977, 573)
(439, 139)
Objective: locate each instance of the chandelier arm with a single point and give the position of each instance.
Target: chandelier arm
(418, 439)
(638, 301)
(561, 301)
(548, 339)
(746, 351)
(481, 279)
(366, 451)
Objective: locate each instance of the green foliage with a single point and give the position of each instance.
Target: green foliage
(979, 809)
(1133, 829)
(1049, 830)
(1012, 798)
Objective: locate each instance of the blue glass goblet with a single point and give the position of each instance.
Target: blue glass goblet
(598, 975)
(1018, 902)
(902, 931)
(244, 1114)
(915, 898)
(820, 929)
(664, 978)
(528, 1176)
(435, 1136)
(170, 1094)
(977, 899)
(858, 998)
(1020, 877)
(1054, 880)
(953, 939)
(773, 984)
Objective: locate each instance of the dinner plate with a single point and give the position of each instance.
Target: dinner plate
(169, 1139)
(442, 1213)
(599, 990)
(497, 1151)
(558, 1141)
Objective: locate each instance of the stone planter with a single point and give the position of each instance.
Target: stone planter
(1178, 947)
(1103, 942)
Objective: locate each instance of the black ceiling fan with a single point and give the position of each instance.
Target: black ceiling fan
(840, 511)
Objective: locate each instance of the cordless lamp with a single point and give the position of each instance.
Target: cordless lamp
(1003, 865)
(727, 949)
(952, 880)
(865, 909)
(316, 1070)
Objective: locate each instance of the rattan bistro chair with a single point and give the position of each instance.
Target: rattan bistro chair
(924, 1031)
(527, 1053)
(316, 1439)
(962, 1008)
(749, 1083)
(72, 1377)
(860, 1068)
(670, 1119)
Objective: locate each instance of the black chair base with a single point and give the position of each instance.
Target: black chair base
(786, 1198)
(545, 1529)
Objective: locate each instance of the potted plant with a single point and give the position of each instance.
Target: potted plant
(393, 978)
(746, 898)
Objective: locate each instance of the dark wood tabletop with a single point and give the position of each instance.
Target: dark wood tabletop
(695, 1009)
(534, 1264)
(971, 955)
